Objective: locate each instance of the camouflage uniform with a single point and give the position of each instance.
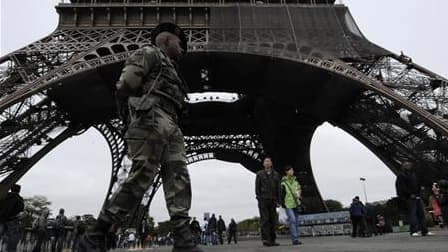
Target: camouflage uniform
(154, 140)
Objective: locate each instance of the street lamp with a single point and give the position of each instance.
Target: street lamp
(363, 181)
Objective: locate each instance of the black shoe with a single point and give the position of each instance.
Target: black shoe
(296, 242)
(184, 240)
(275, 244)
(267, 244)
(92, 242)
(187, 249)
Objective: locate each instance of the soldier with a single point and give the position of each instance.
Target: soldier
(151, 96)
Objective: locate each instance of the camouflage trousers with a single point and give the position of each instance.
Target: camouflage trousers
(155, 143)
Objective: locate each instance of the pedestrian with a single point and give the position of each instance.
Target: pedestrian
(267, 186)
(10, 208)
(443, 200)
(78, 230)
(196, 229)
(370, 220)
(40, 226)
(151, 98)
(221, 229)
(59, 232)
(131, 240)
(381, 224)
(408, 188)
(212, 230)
(357, 214)
(291, 194)
(232, 231)
(205, 233)
(434, 205)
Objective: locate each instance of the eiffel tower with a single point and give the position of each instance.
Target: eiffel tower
(265, 75)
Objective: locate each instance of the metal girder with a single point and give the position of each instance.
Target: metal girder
(26, 164)
(399, 115)
(31, 128)
(112, 132)
(394, 135)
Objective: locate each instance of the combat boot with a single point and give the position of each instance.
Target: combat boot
(184, 240)
(93, 242)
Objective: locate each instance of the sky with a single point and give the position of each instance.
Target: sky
(76, 174)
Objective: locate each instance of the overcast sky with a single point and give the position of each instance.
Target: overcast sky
(76, 174)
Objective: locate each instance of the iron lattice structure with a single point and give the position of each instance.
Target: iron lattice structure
(293, 64)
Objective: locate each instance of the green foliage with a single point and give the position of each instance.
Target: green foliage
(249, 225)
(333, 205)
(393, 210)
(151, 223)
(163, 228)
(33, 208)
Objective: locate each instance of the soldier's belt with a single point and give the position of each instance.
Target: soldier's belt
(166, 105)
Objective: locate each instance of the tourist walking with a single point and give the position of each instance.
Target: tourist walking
(291, 194)
(205, 230)
(443, 200)
(59, 231)
(232, 230)
(267, 189)
(40, 226)
(10, 208)
(357, 215)
(78, 230)
(408, 188)
(380, 224)
(196, 229)
(212, 230)
(434, 205)
(221, 229)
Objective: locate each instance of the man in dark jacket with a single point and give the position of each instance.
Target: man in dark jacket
(10, 207)
(408, 188)
(267, 189)
(357, 215)
(443, 199)
(212, 229)
(196, 229)
(221, 229)
(59, 231)
(232, 232)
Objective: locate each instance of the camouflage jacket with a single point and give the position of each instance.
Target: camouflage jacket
(146, 73)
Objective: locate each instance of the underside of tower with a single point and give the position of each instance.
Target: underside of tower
(263, 76)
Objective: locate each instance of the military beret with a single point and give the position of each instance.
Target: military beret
(171, 28)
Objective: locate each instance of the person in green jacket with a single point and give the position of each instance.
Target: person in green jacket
(290, 199)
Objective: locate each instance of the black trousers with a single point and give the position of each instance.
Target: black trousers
(268, 219)
(358, 226)
(221, 241)
(230, 236)
(417, 219)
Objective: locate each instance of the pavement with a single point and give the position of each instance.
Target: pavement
(395, 242)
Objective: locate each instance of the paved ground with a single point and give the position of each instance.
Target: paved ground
(401, 242)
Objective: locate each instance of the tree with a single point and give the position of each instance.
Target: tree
(249, 225)
(163, 228)
(33, 208)
(333, 205)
